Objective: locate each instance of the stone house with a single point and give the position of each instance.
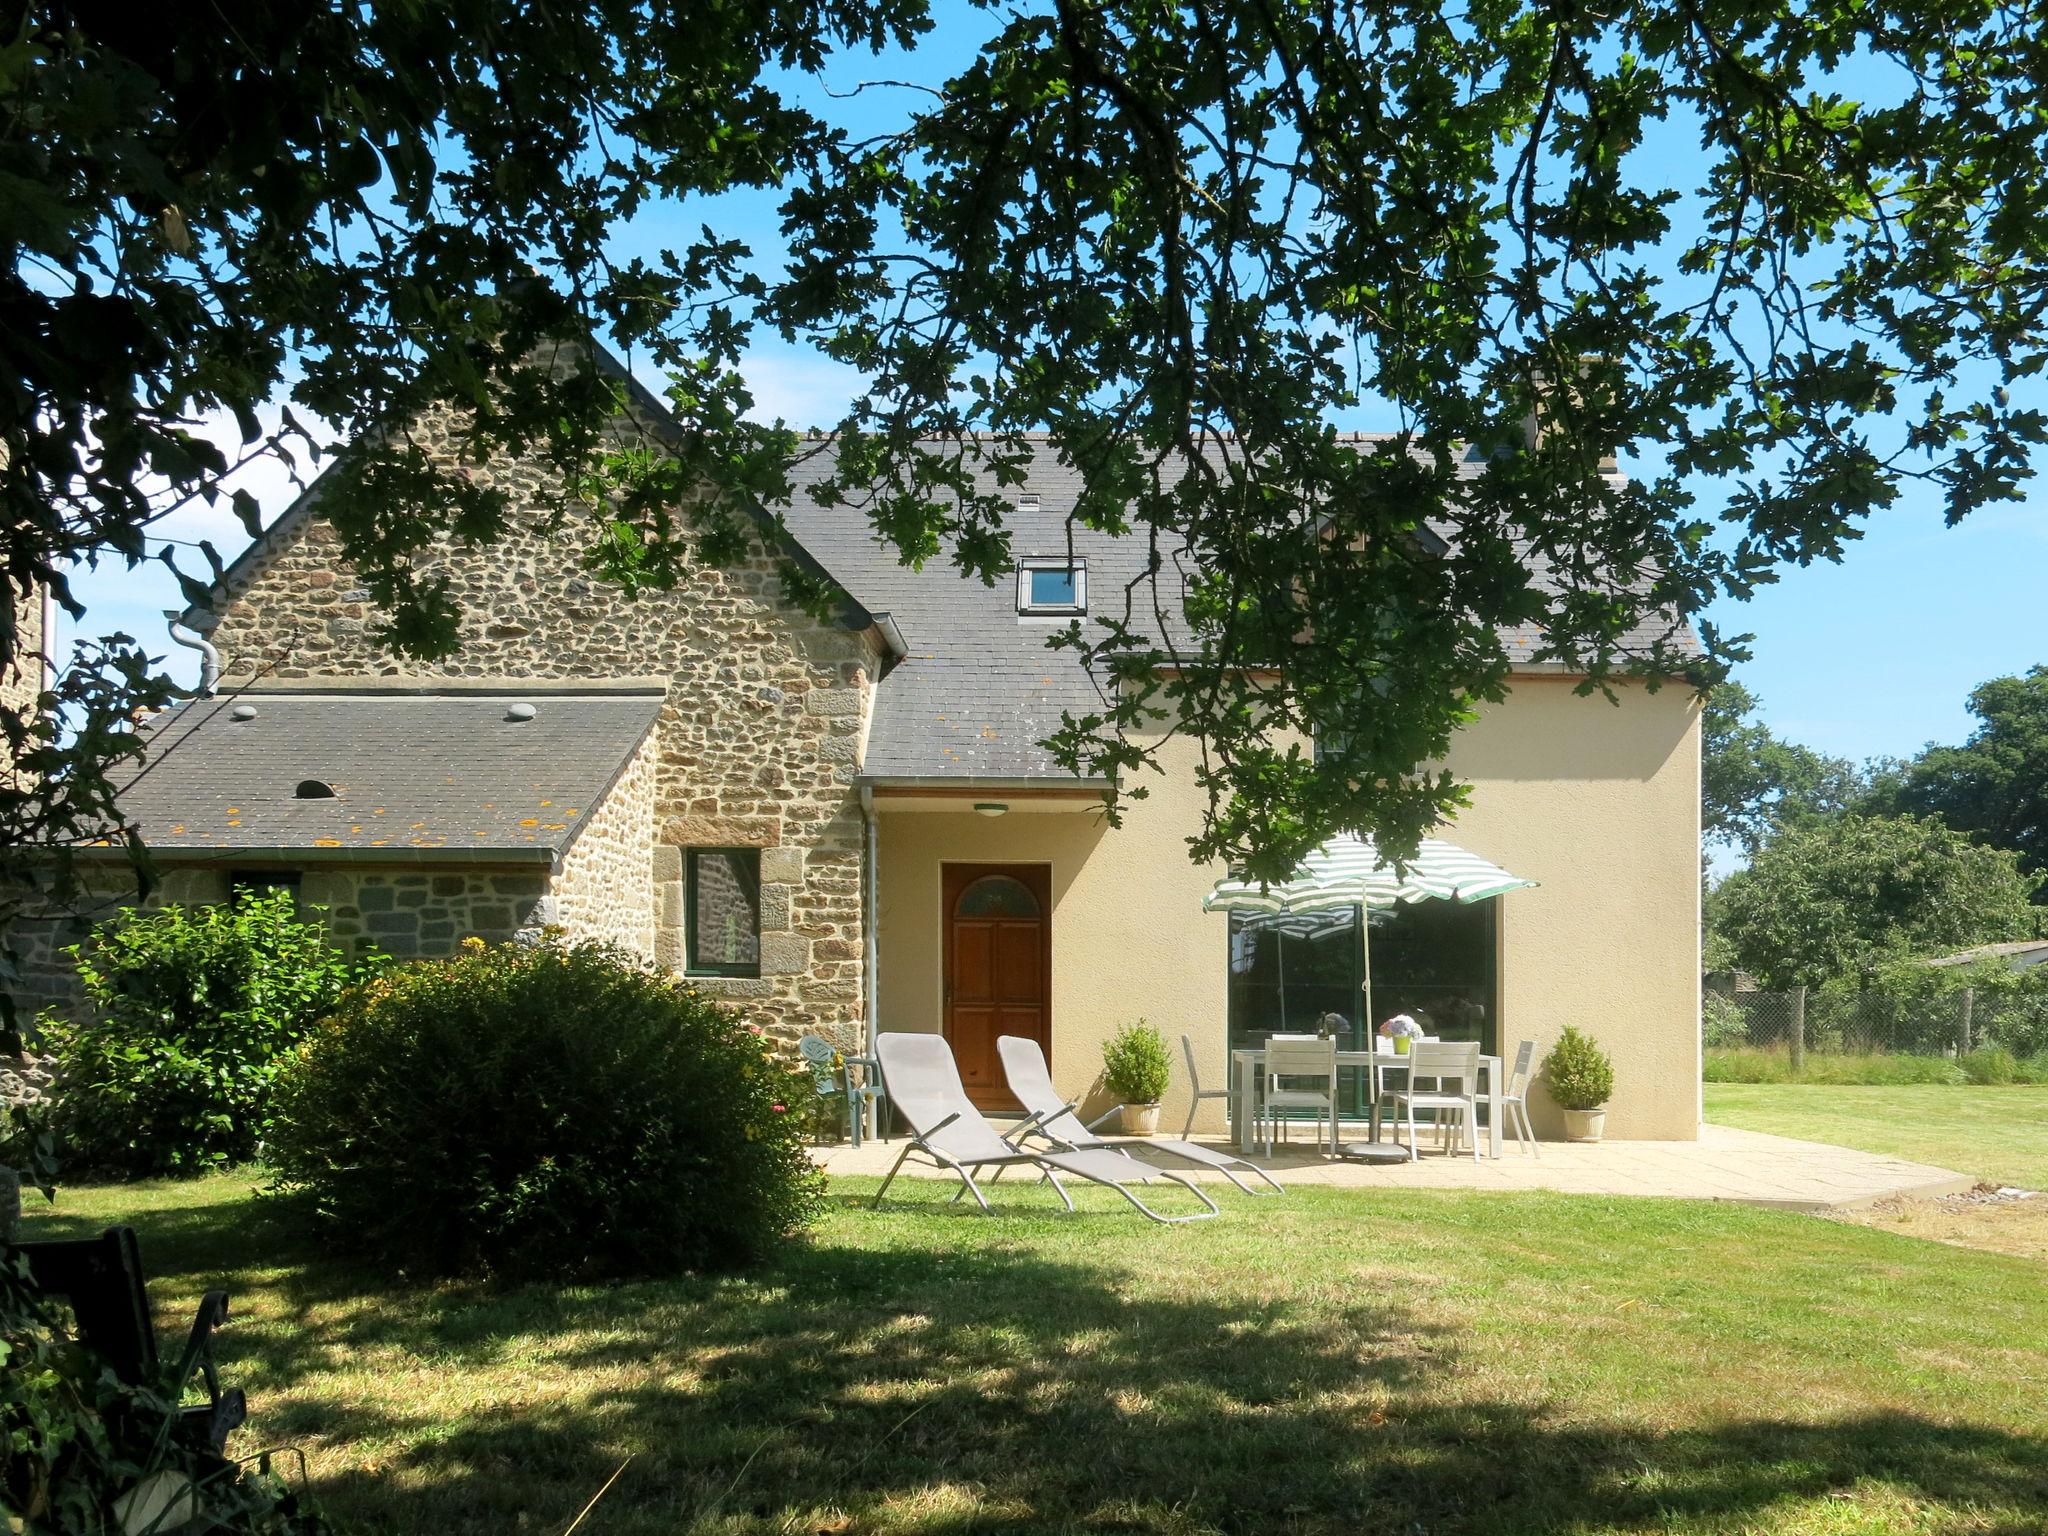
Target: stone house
(849, 824)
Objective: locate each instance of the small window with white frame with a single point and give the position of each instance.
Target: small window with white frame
(1052, 585)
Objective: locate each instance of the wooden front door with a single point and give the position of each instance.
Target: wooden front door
(998, 963)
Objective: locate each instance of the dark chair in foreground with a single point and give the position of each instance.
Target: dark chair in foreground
(100, 1278)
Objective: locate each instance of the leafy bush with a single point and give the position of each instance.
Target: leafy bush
(81, 1446)
(1578, 1071)
(1722, 1021)
(195, 1009)
(555, 1110)
(1135, 1066)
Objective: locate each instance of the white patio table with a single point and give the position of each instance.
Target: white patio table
(1248, 1065)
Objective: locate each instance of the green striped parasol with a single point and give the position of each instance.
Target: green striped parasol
(1348, 871)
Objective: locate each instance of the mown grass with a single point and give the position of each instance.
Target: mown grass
(2000, 1134)
(1332, 1361)
(1874, 1069)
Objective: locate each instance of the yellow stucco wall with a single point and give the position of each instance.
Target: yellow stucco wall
(1599, 802)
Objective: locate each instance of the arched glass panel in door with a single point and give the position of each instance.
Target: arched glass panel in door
(997, 896)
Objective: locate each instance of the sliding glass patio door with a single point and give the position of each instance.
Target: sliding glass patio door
(1434, 960)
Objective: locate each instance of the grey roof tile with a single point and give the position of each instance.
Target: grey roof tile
(446, 772)
(980, 688)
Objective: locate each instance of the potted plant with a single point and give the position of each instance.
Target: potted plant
(1403, 1031)
(1134, 1070)
(1581, 1080)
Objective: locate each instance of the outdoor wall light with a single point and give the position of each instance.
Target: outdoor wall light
(989, 807)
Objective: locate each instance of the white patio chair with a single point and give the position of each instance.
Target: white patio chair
(1196, 1092)
(1384, 1056)
(923, 1082)
(1293, 1058)
(1513, 1101)
(1514, 1098)
(1024, 1069)
(1454, 1069)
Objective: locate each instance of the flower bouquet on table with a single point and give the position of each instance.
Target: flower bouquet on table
(1403, 1031)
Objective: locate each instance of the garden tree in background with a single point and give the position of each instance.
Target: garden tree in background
(1753, 782)
(1179, 237)
(192, 1012)
(1827, 898)
(1995, 785)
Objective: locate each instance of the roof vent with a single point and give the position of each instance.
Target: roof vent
(520, 713)
(313, 789)
(242, 712)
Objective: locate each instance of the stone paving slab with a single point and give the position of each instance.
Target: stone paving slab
(1724, 1164)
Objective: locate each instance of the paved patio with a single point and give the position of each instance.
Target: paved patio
(1724, 1164)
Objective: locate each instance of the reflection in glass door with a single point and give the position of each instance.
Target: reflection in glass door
(1434, 960)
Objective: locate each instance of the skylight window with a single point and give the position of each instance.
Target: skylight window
(1052, 586)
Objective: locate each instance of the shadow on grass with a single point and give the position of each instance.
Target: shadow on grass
(932, 1371)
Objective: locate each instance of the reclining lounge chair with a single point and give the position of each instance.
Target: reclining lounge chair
(1054, 1119)
(923, 1082)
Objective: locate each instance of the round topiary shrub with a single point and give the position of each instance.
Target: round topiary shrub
(554, 1109)
(193, 1012)
(1579, 1073)
(1135, 1066)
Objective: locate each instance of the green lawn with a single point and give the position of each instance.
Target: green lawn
(1997, 1133)
(1328, 1362)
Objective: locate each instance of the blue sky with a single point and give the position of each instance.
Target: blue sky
(1871, 657)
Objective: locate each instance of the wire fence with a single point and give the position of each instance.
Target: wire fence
(1830, 1022)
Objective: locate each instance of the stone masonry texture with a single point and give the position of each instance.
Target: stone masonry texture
(756, 746)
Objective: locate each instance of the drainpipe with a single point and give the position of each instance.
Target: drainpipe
(209, 658)
(870, 903)
(870, 916)
(49, 641)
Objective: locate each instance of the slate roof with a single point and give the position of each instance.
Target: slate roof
(413, 771)
(979, 689)
(2019, 954)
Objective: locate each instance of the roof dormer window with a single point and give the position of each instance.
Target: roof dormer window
(1052, 585)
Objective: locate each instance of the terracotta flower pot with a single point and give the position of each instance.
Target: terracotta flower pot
(1141, 1119)
(1584, 1124)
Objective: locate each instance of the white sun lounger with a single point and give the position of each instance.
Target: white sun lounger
(923, 1082)
(1051, 1117)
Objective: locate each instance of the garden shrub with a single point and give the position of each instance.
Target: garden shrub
(82, 1452)
(1722, 1021)
(1579, 1074)
(1135, 1066)
(556, 1109)
(193, 1010)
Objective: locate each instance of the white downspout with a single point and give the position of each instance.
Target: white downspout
(209, 657)
(50, 668)
(871, 944)
(869, 901)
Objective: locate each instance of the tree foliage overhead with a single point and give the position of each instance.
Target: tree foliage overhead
(1794, 246)
(1830, 897)
(1995, 785)
(1753, 782)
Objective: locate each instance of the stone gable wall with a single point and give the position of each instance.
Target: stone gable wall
(605, 886)
(756, 746)
(21, 683)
